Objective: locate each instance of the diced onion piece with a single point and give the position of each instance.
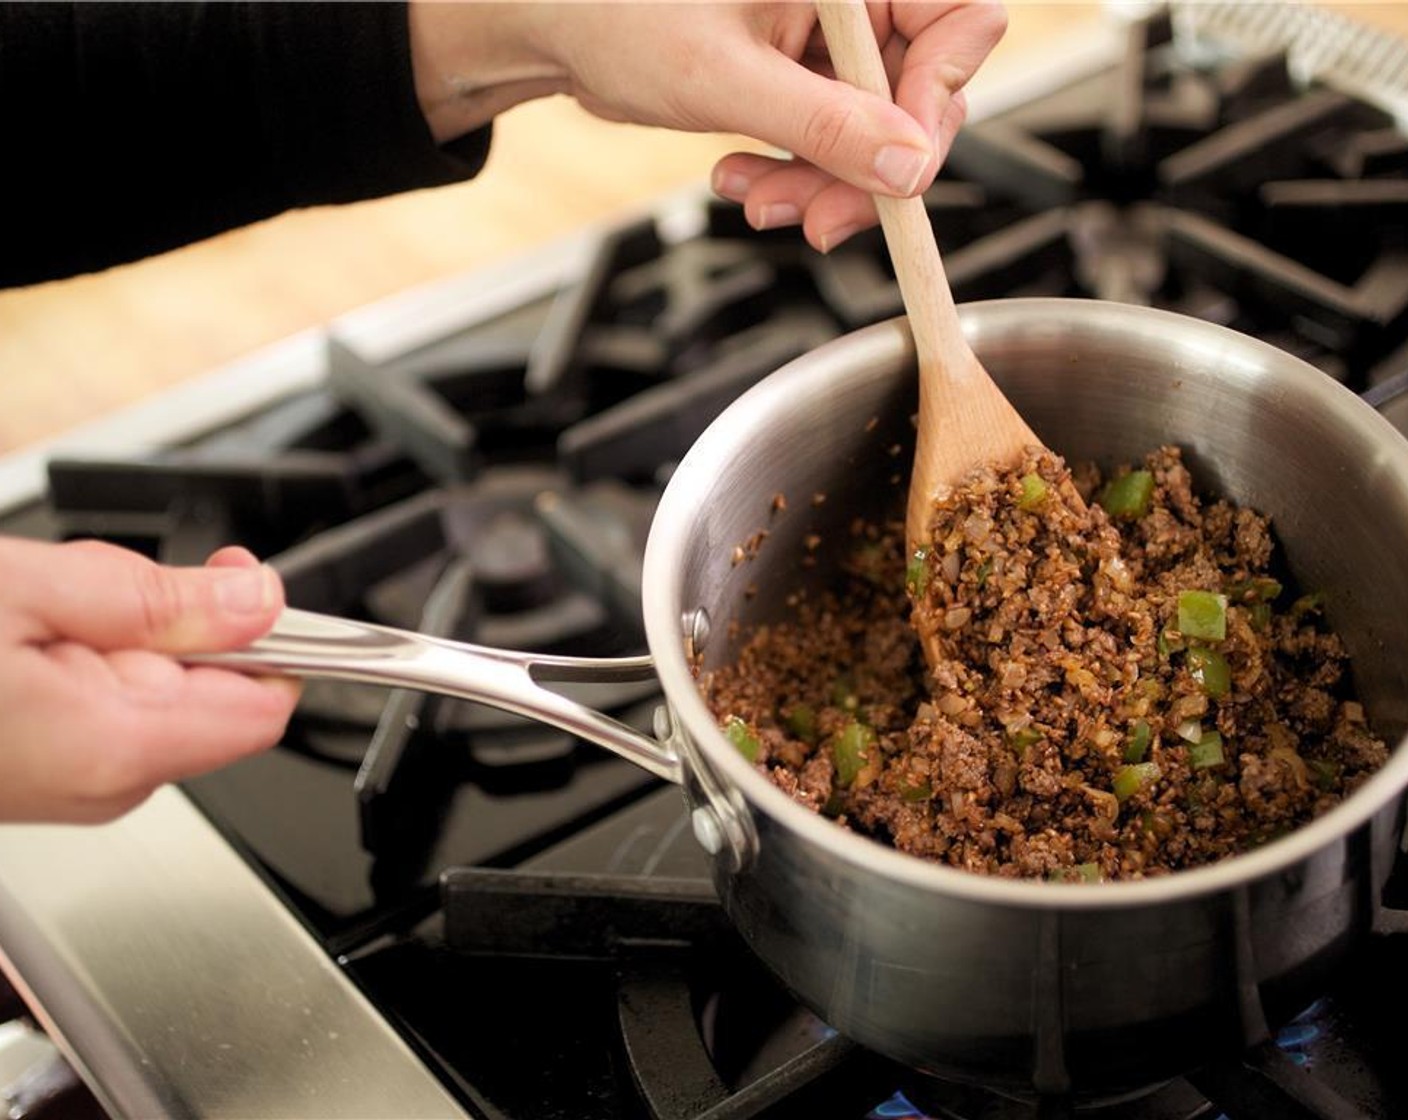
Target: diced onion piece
(1190, 729)
(951, 703)
(1294, 762)
(1013, 675)
(1106, 803)
(976, 527)
(1117, 571)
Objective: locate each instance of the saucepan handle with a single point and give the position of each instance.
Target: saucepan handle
(305, 644)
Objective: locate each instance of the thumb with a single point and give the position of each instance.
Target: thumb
(109, 598)
(859, 137)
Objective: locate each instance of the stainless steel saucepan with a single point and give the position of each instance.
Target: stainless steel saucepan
(1027, 986)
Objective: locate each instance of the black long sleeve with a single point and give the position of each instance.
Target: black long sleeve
(128, 129)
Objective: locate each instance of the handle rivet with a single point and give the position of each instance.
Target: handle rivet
(696, 630)
(707, 829)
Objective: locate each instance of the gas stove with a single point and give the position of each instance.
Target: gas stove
(417, 906)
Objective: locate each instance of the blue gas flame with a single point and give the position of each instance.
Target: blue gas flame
(897, 1107)
(1296, 1036)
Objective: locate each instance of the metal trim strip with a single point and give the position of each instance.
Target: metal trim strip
(179, 986)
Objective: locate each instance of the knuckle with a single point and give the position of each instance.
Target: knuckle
(951, 77)
(158, 598)
(88, 546)
(957, 112)
(828, 130)
(994, 15)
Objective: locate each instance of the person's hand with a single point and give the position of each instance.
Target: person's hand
(95, 712)
(759, 69)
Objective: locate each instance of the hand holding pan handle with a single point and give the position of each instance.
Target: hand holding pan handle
(305, 644)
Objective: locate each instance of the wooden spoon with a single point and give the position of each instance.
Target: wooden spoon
(964, 420)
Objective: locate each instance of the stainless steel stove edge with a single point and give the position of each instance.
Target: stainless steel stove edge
(179, 986)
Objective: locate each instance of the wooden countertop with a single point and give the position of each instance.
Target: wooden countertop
(79, 349)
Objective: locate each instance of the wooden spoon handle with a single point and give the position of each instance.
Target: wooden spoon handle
(909, 235)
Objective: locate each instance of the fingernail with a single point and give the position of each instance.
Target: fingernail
(777, 214)
(834, 237)
(731, 185)
(899, 167)
(246, 590)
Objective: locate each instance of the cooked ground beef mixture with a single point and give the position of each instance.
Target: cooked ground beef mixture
(1057, 689)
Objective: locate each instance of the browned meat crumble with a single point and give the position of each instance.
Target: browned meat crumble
(1067, 728)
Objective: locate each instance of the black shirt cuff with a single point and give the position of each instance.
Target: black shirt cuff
(130, 129)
